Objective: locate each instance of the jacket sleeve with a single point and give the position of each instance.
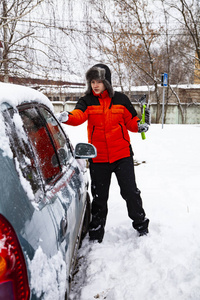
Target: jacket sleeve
(131, 122)
(130, 117)
(79, 115)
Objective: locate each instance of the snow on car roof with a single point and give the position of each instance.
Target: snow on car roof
(16, 94)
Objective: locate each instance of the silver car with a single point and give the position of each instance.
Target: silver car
(44, 202)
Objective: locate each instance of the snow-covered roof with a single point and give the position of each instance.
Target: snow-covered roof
(17, 94)
(189, 86)
(143, 88)
(146, 88)
(63, 89)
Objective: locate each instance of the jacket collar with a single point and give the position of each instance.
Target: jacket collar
(102, 95)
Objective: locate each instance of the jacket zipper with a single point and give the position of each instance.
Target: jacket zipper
(92, 133)
(110, 103)
(123, 133)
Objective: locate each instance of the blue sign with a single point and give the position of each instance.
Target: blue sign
(165, 79)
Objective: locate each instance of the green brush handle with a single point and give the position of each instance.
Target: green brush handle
(143, 121)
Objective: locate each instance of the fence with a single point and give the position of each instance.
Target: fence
(191, 112)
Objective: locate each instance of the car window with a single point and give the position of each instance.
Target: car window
(41, 142)
(22, 151)
(61, 143)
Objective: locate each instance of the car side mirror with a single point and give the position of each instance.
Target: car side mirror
(85, 150)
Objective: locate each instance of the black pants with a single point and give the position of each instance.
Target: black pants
(101, 177)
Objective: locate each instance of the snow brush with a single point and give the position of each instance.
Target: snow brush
(142, 102)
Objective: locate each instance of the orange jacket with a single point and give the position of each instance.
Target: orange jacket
(108, 123)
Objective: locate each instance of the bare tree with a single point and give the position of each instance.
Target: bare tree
(35, 39)
(187, 13)
(136, 45)
(11, 36)
(43, 38)
(170, 59)
(128, 40)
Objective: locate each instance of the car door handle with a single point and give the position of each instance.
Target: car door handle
(84, 171)
(63, 228)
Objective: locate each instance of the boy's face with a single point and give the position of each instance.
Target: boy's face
(97, 86)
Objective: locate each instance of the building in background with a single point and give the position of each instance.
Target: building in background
(181, 104)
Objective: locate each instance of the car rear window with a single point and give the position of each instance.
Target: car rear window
(22, 151)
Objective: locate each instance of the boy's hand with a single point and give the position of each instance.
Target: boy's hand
(143, 127)
(62, 117)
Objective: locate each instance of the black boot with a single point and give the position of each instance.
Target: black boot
(96, 233)
(143, 232)
(141, 227)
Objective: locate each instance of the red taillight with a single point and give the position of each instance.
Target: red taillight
(13, 273)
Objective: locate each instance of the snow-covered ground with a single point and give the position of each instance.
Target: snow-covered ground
(165, 265)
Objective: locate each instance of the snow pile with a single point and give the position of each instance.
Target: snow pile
(45, 275)
(166, 263)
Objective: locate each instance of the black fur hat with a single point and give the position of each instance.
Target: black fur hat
(100, 72)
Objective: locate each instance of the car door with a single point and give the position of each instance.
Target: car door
(61, 176)
(70, 189)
